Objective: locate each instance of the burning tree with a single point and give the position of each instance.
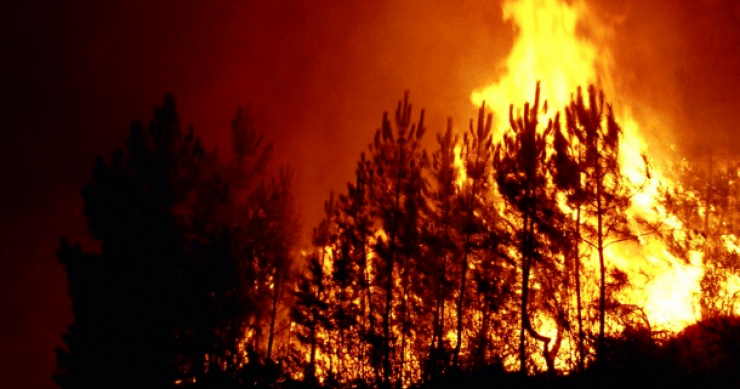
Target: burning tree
(426, 269)
(354, 217)
(705, 201)
(441, 241)
(371, 261)
(480, 240)
(521, 165)
(589, 170)
(311, 317)
(398, 256)
(397, 163)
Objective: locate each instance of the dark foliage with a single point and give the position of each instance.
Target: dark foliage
(167, 300)
(523, 173)
(144, 314)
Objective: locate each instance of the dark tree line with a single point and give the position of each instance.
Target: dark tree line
(195, 255)
(482, 258)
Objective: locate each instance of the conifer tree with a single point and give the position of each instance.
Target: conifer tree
(138, 302)
(440, 237)
(605, 194)
(355, 223)
(569, 169)
(168, 298)
(265, 226)
(474, 209)
(398, 185)
(311, 316)
(521, 167)
(347, 292)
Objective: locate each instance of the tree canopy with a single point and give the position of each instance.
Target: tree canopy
(482, 261)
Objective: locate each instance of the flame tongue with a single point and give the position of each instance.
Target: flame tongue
(549, 46)
(563, 46)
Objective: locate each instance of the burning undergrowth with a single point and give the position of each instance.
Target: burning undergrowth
(532, 240)
(541, 240)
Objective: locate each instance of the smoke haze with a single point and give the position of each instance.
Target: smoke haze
(318, 79)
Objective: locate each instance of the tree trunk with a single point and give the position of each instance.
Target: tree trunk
(577, 258)
(602, 265)
(524, 297)
(273, 314)
(389, 288)
(464, 269)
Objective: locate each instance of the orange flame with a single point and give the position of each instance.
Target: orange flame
(564, 46)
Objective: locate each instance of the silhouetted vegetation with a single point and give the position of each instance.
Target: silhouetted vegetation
(482, 263)
(194, 261)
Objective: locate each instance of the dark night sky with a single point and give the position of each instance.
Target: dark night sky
(73, 75)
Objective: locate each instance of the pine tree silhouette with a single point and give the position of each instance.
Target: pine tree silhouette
(605, 193)
(441, 241)
(397, 162)
(522, 170)
(169, 298)
(138, 303)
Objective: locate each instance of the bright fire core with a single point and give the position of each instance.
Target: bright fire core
(555, 46)
(656, 289)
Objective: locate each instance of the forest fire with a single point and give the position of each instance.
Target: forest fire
(539, 243)
(555, 44)
(620, 275)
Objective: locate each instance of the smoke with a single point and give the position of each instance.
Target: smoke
(676, 63)
(318, 79)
